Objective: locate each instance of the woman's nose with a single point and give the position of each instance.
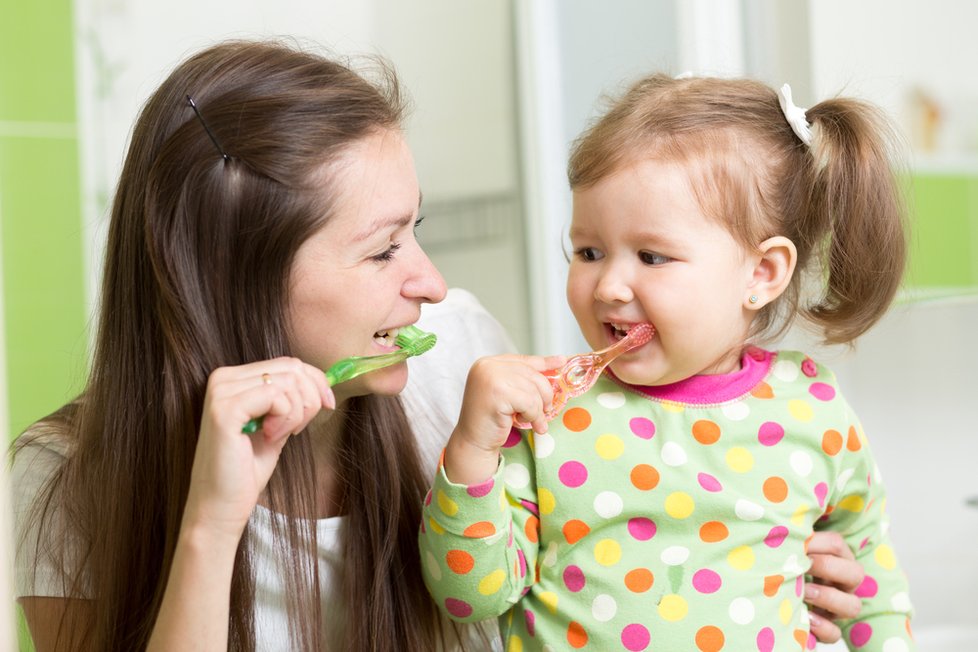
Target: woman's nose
(424, 281)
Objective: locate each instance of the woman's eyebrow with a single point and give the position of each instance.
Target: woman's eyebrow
(396, 222)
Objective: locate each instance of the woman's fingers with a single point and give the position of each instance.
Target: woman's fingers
(832, 602)
(823, 628)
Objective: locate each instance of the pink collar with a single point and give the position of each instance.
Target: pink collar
(702, 390)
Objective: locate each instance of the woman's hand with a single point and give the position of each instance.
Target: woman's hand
(835, 576)
(231, 469)
(498, 388)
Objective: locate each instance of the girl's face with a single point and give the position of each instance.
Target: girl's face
(363, 275)
(645, 252)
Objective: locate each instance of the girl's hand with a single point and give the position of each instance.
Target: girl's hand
(836, 575)
(498, 388)
(230, 468)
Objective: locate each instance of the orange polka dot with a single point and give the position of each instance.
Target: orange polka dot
(577, 419)
(853, 443)
(644, 477)
(802, 637)
(709, 639)
(639, 580)
(480, 530)
(775, 489)
(713, 531)
(771, 585)
(832, 442)
(762, 390)
(575, 530)
(576, 635)
(459, 561)
(532, 529)
(706, 432)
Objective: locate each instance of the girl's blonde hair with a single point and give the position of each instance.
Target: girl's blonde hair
(839, 201)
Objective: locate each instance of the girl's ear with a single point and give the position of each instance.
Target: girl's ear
(772, 273)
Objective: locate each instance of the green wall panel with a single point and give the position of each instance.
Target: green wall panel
(944, 248)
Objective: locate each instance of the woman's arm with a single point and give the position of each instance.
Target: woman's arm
(836, 575)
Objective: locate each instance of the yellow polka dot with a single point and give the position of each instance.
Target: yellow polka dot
(514, 644)
(531, 441)
(798, 518)
(492, 582)
(607, 552)
(503, 503)
(741, 558)
(800, 410)
(739, 459)
(852, 504)
(670, 406)
(679, 505)
(609, 447)
(672, 608)
(549, 600)
(547, 501)
(437, 529)
(884, 556)
(446, 504)
(785, 611)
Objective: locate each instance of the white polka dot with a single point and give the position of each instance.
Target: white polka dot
(604, 608)
(433, 568)
(792, 567)
(843, 478)
(673, 454)
(801, 463)
(543, 445)
(785, 370)
(611, 400)
(748, 511)
(675, 555)
(547, 648)
(895, 645)
(550, 557)
(901, 602)
(516, 475)
(608, 504)
(742, 611)
(736, 411)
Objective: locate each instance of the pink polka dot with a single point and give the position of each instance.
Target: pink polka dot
(860, 634)
(513, 439)
(821, 391)
(709, 483)
(706, 581)
(530, 507)
(821, 491)
(531, 622)
(868, 588)
(574, 578)
(765, 640)
(811, 641)
(770, 433)
(776, 536)
(572, 474)
(458, 608)
(642, 427)
(480, 490)
(641, 528)
(521, 558)
(799, 585)
(635, 637)
(427, 498)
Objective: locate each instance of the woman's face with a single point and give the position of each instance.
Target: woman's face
(363, 274)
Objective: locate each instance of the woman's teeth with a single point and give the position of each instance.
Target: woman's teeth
(387, 338)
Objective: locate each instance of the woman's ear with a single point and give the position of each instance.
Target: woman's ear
(772, 273)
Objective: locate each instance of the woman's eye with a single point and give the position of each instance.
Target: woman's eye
(418, 222)
(387, 254)
(588, 254)
(650, 258)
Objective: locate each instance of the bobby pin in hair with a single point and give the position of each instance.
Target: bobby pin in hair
(193, 105)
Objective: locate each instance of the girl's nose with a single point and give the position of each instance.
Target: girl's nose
(424, 281)
(612, 287)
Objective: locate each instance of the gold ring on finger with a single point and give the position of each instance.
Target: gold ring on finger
(266, 378)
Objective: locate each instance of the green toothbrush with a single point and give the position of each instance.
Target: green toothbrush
(412, 340)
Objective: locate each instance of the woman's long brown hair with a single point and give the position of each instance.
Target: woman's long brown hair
(196, 277)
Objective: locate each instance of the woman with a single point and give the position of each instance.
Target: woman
(262, 229)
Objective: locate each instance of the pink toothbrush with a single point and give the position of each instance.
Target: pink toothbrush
(581, 372)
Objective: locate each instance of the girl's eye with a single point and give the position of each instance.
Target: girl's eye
(387, 254)
(588, 254)
(650, 258)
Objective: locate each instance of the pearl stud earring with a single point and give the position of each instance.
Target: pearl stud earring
(753, 298)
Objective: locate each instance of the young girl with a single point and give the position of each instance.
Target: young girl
(670, 507)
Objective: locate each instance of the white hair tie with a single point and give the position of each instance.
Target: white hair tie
(795, 115)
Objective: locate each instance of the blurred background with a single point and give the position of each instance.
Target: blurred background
(501, 88)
